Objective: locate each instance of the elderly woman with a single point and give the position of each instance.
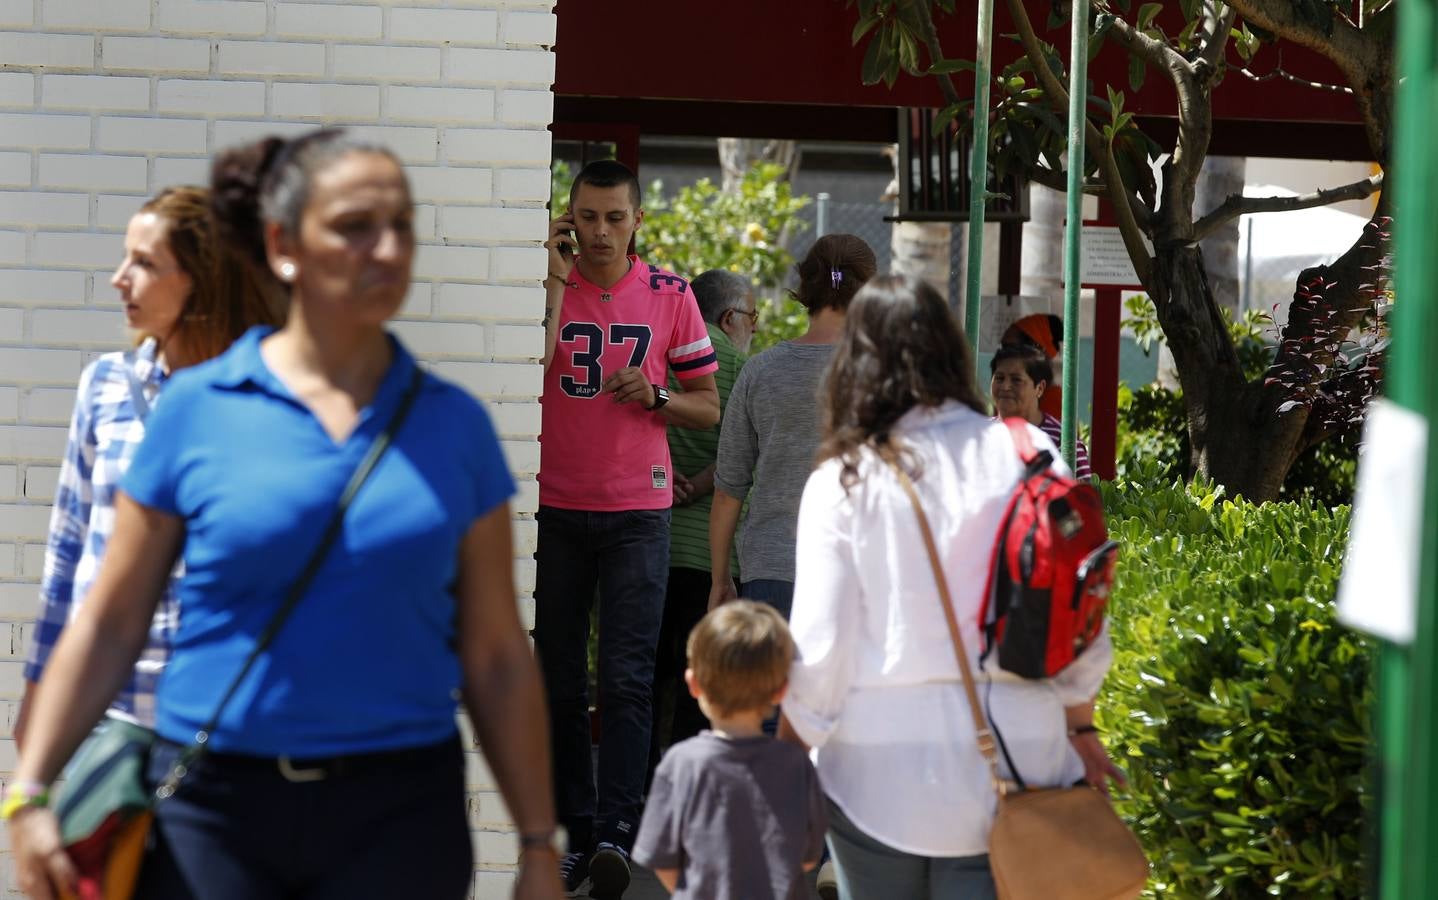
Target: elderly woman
(876, 690)
(336, 770)
(1021, 377)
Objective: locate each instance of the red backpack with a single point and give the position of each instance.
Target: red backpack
(1051, 569)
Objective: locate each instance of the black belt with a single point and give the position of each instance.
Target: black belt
(303, 769)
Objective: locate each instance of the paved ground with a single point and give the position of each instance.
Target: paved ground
(645, 886)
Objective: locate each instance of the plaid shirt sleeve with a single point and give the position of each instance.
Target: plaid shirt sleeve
(69, 529)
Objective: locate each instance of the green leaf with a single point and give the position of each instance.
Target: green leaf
(1146, 14)
(1136, 71)
(870, 69)
(946, 115)
(950, 66)
(862, 27)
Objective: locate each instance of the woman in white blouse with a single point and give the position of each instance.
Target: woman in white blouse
(875, 689)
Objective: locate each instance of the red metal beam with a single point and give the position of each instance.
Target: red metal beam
(799, 52)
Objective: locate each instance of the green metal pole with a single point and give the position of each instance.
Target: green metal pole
(1073, 227)
(978, 176)
(1408, 677)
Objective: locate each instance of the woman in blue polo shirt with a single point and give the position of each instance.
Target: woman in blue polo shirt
(336, 771)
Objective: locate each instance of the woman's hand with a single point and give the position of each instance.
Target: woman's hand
(538, 876)
(1098, 769)
(40, 859)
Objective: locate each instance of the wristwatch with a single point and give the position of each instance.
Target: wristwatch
(661, 397)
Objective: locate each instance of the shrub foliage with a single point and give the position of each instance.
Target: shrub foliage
(1237, 704)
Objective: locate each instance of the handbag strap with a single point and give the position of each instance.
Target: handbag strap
(983, 733)
(198, 747)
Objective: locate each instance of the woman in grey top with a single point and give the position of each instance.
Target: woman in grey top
(770, 430)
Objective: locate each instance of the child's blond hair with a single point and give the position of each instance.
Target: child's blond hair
(740, 654)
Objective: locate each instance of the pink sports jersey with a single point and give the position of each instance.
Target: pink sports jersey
(596, 454)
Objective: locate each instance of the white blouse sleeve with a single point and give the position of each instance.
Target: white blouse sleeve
(1079, 683)
(827, 613)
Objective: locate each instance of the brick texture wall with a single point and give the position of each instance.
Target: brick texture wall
(103, 103)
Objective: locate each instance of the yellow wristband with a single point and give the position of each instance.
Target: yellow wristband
(22, 794)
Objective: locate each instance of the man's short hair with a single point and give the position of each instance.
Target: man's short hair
(606, 173)
(718, 291)
(740, 654)
(1034, 360)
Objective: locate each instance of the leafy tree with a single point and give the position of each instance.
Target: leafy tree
(1245, 431)
(703, 227)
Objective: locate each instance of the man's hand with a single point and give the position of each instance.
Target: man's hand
(629, 385)
(683, 490)
(561, 237)
(721, 591)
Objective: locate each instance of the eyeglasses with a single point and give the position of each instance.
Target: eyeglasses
(753, 316)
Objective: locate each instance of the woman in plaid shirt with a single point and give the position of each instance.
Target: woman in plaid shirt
(187, 297)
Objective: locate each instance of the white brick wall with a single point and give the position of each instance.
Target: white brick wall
(102, 104)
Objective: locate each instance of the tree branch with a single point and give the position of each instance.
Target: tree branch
(1343, 43)
(930, 35)
(1055, 180)
(1120, 197)
(1363, 55)
(1156, 53)
(1213, 45)
(1238, 205)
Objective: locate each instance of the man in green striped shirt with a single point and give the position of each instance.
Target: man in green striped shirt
(726, 300)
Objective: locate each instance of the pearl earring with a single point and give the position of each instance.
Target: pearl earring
(287, 271)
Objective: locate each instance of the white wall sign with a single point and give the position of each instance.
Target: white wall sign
(1379, 590)
(1105, 260)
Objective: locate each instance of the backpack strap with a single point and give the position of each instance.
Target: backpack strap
(1019, 431)
(1034, 459)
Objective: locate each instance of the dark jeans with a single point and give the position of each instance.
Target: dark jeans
(780, 595)
(685, 603)
(776, 593)
(239, 830)
(625, 555)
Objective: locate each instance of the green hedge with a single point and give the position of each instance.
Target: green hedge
(1237, 704)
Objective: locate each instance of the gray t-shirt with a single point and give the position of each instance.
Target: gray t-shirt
(738, 817)
(766, 451)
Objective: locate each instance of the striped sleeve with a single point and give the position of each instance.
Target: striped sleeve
(691, 353)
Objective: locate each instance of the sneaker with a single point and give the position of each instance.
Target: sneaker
(608, 872)
(827, 884)
(573, 869)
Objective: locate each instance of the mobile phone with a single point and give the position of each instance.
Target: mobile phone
(565, 250)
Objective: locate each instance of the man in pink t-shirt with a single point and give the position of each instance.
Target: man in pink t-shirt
(614, 328)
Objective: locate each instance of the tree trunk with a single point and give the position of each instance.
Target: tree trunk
(737, 155)
(1235, 441)
(1221, 177)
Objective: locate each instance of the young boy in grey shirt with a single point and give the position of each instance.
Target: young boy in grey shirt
(733, 812)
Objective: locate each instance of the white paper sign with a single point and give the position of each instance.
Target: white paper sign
(998, 311)
(1104, 259)
(1379, 590)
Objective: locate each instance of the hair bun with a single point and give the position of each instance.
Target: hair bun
(235, 182)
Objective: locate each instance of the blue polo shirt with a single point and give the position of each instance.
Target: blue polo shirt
(368, 659)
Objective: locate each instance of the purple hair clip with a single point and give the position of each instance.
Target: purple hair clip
(836, 278)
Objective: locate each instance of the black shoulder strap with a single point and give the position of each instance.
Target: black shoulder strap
(297, 590)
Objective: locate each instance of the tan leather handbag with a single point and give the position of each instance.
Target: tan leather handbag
(1045, 844)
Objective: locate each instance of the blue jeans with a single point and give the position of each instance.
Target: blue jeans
(625, 555)
(868, 869)
(776, 593)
